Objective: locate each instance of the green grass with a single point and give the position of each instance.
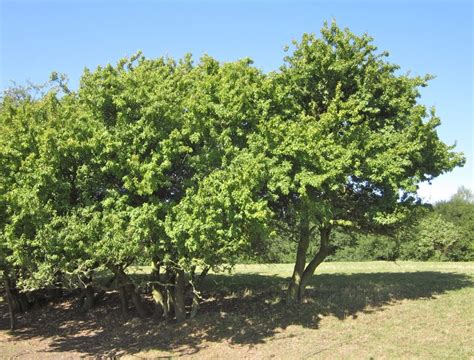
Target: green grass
(352, 310)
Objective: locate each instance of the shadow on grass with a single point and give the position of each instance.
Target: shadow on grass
(240, 309)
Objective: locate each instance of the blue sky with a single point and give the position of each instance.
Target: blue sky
(436, 37)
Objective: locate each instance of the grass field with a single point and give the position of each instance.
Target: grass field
(352, 310)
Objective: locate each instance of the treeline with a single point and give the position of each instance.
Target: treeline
(188, 166)
(440, 232)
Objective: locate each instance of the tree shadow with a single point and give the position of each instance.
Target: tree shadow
(239, 309)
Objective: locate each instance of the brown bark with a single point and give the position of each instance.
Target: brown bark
(11, 304)
(168, 291)
(179, 307)
(127, 287)
(194, 306)
(158, 292)
(121, 283)
(19, 300)
(123, 300)
(315, 262)
(137, 302)
(196, 285)
(302, 272)
(170, 301)
(159, 296)
(88, 298)
(304, 237)
(202, 276)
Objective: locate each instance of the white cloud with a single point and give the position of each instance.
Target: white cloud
(437, 191)
(440, 189)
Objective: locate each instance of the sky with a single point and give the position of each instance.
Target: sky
(435, 37)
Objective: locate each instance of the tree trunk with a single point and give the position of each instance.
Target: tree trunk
(304, 237)
(137, 302)
(123, 300)
(179, 308)
(20, 300)
(159, 296)
(128, 287)
(196, 285)
(315, 262)
(202, 276)
(168, 292)
(158, 291)
(121, 284)
(88, 298)
(170, 301)
(194, 306)
(11, 304)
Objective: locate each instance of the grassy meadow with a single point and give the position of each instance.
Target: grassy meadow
(352, 310)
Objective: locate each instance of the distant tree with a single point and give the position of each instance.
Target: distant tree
(435, 239)
(459, 211)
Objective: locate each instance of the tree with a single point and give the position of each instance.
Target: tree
(458, 212)
(187, 166)
(348, 141)
(167, 128)
(33, 189)
(97, 178)
(435, 239)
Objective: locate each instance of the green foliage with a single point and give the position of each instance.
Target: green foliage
(459, 211)
(442, 232)
(348, 143)
(214, 224)
(185, 164)
(435, 239)
(350, 134)
(116, 171)
(445, 233)
(367, 247)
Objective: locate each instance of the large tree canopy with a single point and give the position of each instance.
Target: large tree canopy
(97, 178)
(349, 142)
(187, 165)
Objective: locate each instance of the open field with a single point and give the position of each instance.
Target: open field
(352, 310)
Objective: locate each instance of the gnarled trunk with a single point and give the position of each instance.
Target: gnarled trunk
(161, 302)
(159, 292)
(87, 298)
(11, 304)
(179, 287)
(196, 283)
(137, 302)
(295, 282)
(198, 280)
(123, 300)
(194, 306)
(127, 287)
(302, 272)
(316, 261)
